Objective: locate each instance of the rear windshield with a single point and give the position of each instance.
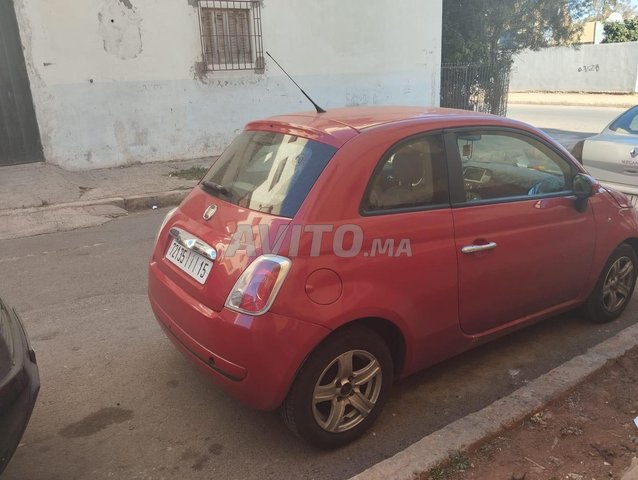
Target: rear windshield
(268, 172)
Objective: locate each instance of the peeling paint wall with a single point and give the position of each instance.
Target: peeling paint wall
(120, 29)
(121, 81)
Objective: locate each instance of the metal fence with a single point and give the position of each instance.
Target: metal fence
(481, 88)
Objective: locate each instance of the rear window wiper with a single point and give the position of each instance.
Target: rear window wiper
(216, 187)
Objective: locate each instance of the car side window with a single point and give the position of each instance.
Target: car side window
(507, 165)
(627, 122)
(411, 175)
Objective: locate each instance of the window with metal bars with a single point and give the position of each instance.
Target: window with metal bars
(231, 35)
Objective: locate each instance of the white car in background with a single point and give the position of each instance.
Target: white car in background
(612, 156)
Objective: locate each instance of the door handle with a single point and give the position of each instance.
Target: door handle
(478, 248)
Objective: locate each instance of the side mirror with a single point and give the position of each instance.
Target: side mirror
(583, 187)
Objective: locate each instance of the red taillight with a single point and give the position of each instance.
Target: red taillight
(261, 284)
(256, 289)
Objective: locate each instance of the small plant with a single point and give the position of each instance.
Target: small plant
(192, 173)
(457, 463)
(438, 473)
(460, 461)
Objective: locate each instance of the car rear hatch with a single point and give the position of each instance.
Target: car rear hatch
(257, 186)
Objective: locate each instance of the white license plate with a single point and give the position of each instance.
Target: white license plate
(195, 265)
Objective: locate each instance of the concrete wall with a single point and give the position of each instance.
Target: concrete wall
(119, 81)
(586, 68)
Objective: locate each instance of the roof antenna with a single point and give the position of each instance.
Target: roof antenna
(317, 107)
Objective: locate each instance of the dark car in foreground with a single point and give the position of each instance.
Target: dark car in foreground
(19, 382)
(326, 254)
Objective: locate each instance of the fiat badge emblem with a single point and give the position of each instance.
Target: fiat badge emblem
(210, 211)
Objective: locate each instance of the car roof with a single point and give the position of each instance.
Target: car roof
(361, 118)
(337, 126)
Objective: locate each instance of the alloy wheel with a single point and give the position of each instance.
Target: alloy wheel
(347, 391)
(618, 284)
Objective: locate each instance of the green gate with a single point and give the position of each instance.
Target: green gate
(19, 134)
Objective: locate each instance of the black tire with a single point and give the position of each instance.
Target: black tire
(299, 411)
(600, 307)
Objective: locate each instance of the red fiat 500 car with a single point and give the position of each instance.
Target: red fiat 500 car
(326, 254)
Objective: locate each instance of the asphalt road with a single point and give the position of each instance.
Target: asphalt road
(566, 124)
(119, 402)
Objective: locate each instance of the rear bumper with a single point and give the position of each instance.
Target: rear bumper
(18, 390)
(254, 359)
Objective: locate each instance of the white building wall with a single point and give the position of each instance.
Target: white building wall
(586, 68)
(116, 81)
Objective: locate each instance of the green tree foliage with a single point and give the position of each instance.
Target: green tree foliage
(601, 9)
(617, 32)
(491, 31)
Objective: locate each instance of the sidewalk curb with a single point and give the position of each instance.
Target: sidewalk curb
(130, 204)
(159, 200)
(30, 221)
(559, 103)
(475, 428)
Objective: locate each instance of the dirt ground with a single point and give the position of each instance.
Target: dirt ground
(588, 435)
